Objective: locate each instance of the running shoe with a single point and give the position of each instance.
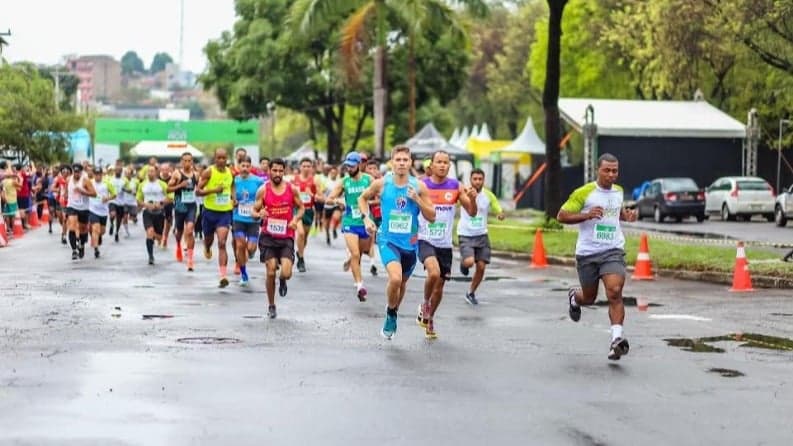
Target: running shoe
(75, 254)
(243, 281)
(81, 251)
(190, 265)
(389, 326)
(207, 253)
(327, 240)
(619, 347)
(429, 331)
(63, 240)
(50, 229)
(420, 319)
(179, 254)
(346, 265)
(96, 253)
(301, 264)
(373, 270)
(471, 298)
(282, 287)
(575, 310)
(464, 270)
(271, 312)
(224, 282)
(151, 260)
(116, 237)
(361, 293)
(335, 234)
(111, 229)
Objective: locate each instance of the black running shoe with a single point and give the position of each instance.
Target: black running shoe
(619, 348)
(328, 240)
(335, 234)
(301, 265)
(373, 270)
(151, 260)
(575, 310)
(111, 229)
(63, 240)
(471, 298)
(282, 287)
(271, 312)
(75, 254)
(81, 251)
(116, 237)
(96, 253)
(464, 270)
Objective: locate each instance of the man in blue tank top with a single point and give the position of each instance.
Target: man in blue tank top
(244, 225)
(402, 198)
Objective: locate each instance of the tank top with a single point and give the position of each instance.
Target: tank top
(76, 200)
(184, 196)
(400, 214)
(352, 190)
(103, 190)
(307, 190)
(245, 190)
(219, 202)
(280, 209)
(330, 186)
(444, 197)
(153, 192)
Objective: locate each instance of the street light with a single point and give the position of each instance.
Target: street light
(782, 123)
(271, 111)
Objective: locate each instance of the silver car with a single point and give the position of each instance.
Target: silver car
(744, 197)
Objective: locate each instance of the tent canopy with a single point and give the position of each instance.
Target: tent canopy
(527, 142)
(305, 151)
(678, 119)
(429, 140)
(164, 150)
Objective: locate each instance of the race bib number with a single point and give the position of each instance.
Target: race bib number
(222, 199)
(276, 226)
(399, 223)
(305, 197)
(477, 222)
(245, 210)
(355, 212)
(96, 201)
(80, 199)
(436, 230)
(188, 196)
(605, 233)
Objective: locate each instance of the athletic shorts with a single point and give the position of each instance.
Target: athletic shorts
(131, 209)
(390, 252)
(168, 211)
(477, 246)
(592, 267)
(82, 216)
(156, 221)
(328, 212)
(24, 203)
(53, 204)
(188, 216)
(117, 210)
(10, 209)
(247, 230)
(318, 208)
(308, 217)
(212, 220)
(93, 218)
(360, 231)
(444, 256)
(276, 248)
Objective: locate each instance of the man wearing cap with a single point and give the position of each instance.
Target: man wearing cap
(355, 235)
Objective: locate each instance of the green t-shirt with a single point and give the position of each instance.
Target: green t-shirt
(352, 190)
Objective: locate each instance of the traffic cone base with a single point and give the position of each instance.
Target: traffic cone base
(33, 218)
(3, 232)
(643, 269)
(45, 213)
(19, 231)
(741, 279)
(538, 258)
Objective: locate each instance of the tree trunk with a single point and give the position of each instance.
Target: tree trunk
(411, 84)
(550, 104)
(379, 90)
(364, 112)
(332, 135)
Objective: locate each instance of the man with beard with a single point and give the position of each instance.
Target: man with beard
(79, 190)
(182, 186)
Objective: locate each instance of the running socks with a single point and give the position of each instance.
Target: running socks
(73, 240)
(616, 332)
(244, 271)
(223, 271)
(83, 239)
(150, 247)
(391, 312)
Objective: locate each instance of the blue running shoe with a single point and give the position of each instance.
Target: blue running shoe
(389, 327)
(243, 278)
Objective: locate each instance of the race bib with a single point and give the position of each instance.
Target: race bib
(222, 199)
(605, 233)
(276, 226)
(477, 222)
(188, 196)
(96, 201)
(355, 212)
(399, 223)
(245, 210)
(436, 230)
(80, 199)
(305, 197)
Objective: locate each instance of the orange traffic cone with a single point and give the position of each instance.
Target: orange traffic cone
(643, 269)
(3, 232)
(45, 213)
(19, 231)
(741, 279)
(33, 218)
(538, 259)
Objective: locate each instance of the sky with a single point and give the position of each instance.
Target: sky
(43, 31)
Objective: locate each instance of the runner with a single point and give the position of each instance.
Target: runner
(131, 202)
(435, 238)
(165, 175)
(319, 203)
(58, 204)
(402, 198)
(472, 234)
(118, 204)
(217, 187)
(98, 208)
(597, 208)
(373, 169)
(245, 225)
(355, 235)
(264, 169)
(152, 197)
(276, 203)
(79, 190)
(182, 186)
(309, 187)
(332, 213)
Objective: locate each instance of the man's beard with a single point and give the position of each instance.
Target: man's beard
(353, 172)
(276, 180)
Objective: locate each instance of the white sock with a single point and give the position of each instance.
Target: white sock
(359, 285)
(616, 332)
(572, 299)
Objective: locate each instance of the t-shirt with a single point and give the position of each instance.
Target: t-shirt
(474, 226)
(597, 235)
(352, 190)
(10, 189)
(245, 191)
(104, 189)
(444, 197)
(25, 191)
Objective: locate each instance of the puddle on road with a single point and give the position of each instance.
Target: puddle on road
(205, 340)
(628, 301)
(142, 286)
(470, 319)
(148, 317)
(253, 317)
(726, 373)
(698, 345)
(702, 345)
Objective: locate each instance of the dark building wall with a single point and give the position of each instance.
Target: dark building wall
(766, 166)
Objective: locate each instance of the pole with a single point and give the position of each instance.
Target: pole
(782, 122)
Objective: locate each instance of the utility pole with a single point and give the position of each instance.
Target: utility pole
(3, 41)
(181, 36)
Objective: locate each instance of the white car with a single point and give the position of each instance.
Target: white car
(783, 211)
(732, 197)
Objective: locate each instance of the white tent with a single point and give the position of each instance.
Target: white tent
(461, 142)
(455, 136)
(305, 151)
(164, 150)
(484, 133)
(527, 142)
(474, 133)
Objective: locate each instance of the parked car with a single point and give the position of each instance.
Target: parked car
(783, 209)
(744, 197)
(677, 198)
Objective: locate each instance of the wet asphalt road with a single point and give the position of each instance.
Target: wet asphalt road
(514, 370)
(757, 230)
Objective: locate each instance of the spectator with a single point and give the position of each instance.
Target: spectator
(23, 195)
(11, 185)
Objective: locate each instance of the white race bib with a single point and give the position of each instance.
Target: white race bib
(436, 230)
(245, 210)
(276, 226)
(222, 199)
(399, 223)
(477, 222)
(305, 197)
(605, 233)
(356, 212)
(188, 196)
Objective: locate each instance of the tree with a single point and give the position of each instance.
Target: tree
(159, 62)
(132, 63)
(550, 103)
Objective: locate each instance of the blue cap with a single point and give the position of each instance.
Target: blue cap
(353, 159)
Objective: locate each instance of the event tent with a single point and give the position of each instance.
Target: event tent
(429, 140)
(164, 150)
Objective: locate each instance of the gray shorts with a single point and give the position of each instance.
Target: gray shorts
(477, 247)
(592, 267)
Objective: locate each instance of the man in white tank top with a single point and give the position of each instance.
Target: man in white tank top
(79, 190)
(99, 207)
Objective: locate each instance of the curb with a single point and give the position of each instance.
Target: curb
(697, 276)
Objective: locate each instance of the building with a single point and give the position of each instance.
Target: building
(100, 78)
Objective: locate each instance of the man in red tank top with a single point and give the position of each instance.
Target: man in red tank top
(309, 188)
(279, 206)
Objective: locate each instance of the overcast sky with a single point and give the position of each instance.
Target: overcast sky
(45, 30)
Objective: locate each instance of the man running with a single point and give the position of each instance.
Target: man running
(59, 192)
(355, 235)
(152, 197)
(435, 238)
(309, 187)
(217, 187)
(79, 190)
(99, 209)
(331, 213)
(245, 224)
(597, 208)
(165, 175)
(276, 203)
(373, 169)
(118, 204)
(182, 186)
(131, 201)
(472, 234)
(402, 198)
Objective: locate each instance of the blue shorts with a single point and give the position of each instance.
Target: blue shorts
(246, 230)
(390, 252)
(360, 231)
(211, 220)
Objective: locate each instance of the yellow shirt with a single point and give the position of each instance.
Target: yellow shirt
(219, 202)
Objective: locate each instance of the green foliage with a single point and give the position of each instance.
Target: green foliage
(132, 63)
(159, 62)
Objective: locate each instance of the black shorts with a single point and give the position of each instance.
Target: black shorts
(24, 203)
(318, 208)
(188, 216)
(156, 221)
(477, 246)
(592, 267)
(328, 212)
(93, 219)
(276, 248)
(168, 212)
(444, 256)
(117, 209)
(82, 216)
(131, 209)
(54, 205)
